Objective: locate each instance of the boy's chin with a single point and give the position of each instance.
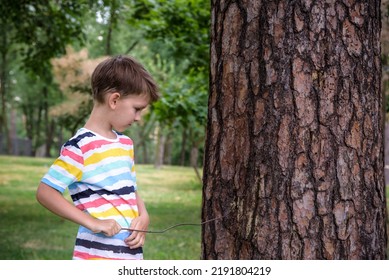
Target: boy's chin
(121, 129)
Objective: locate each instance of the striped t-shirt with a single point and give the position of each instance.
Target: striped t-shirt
(100, 176)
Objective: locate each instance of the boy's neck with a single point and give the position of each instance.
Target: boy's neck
(99, 123)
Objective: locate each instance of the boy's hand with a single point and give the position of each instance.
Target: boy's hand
(107, 227)
(136, 238)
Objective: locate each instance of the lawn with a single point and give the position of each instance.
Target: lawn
(30, 232)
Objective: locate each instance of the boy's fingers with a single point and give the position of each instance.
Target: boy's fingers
(112, 228)
(135, 240)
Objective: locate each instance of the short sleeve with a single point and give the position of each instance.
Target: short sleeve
(66, 169)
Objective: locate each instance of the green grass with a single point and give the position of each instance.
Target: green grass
(30, 232)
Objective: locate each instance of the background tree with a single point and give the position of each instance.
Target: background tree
(294, 149)
(33, 32)
(178, 32)
(73, 73)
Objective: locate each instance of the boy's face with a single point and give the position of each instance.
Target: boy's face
(128, 110)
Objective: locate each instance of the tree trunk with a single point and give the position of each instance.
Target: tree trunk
(4, 80)
(168, 149)
(113, 17)
(294, 155)
(194, 156)
(49, 125)
(160, 148)
(183, 146)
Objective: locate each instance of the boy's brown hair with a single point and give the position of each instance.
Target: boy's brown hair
(122, 74)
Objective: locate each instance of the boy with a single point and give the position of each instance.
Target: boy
(97, 166)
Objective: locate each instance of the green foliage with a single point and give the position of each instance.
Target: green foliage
(29, 98)
(183, 101)
(34, 32)
(42, 28)
(182, 26)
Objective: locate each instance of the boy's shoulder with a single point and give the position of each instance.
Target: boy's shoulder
(124, 139)
(80, 136)
(85, 137)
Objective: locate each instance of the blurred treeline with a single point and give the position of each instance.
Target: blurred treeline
(49, 48)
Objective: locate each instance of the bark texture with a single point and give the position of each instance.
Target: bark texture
(294, 155)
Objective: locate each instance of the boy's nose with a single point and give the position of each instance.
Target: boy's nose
(137, 117)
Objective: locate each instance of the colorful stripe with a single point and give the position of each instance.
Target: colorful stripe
(100, 176)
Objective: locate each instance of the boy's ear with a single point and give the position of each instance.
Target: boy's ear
(113, 99)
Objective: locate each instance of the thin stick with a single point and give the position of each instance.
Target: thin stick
(174, 226)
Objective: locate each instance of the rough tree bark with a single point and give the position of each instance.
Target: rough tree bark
(294, 154)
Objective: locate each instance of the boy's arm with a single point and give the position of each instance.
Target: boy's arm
(137, 239)
(56, 203)
(141, 206)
